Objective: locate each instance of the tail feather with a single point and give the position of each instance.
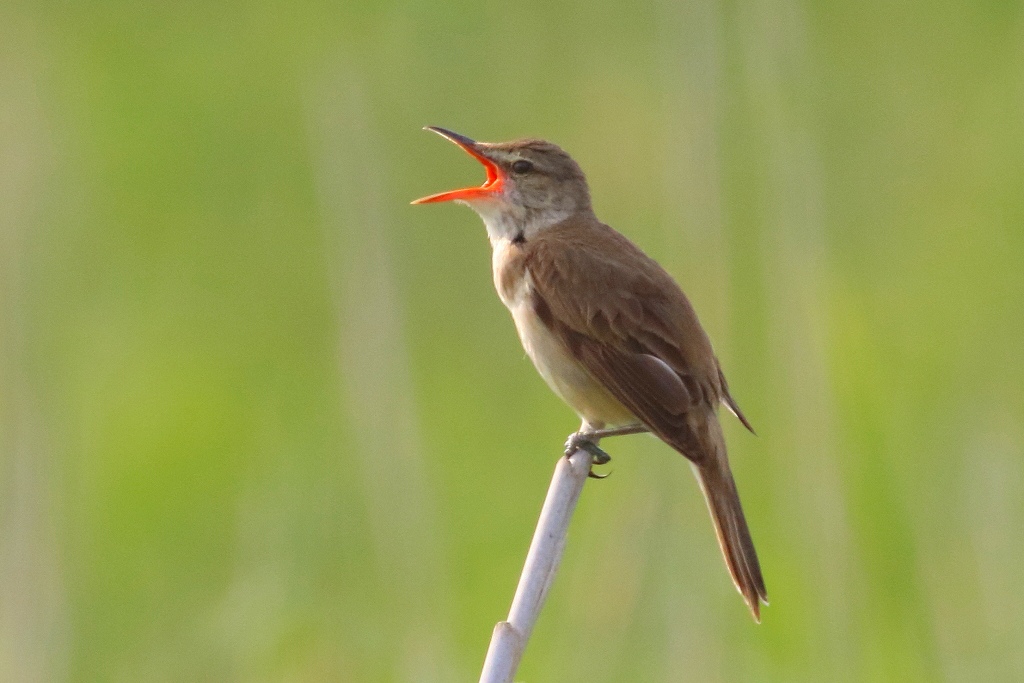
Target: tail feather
(731, 527)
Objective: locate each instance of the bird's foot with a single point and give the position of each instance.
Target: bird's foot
(581, 441)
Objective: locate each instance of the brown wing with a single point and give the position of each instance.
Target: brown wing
(627, 321)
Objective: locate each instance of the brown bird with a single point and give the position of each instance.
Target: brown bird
(607, 328)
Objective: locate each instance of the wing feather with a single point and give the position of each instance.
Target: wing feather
(626, 319)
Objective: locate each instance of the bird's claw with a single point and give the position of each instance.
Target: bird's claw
(580, 441)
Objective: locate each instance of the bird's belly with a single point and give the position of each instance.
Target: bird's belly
(563, 373)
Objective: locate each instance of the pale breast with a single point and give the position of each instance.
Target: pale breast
(566, 377)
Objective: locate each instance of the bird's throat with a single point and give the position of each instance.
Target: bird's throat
(510, 223)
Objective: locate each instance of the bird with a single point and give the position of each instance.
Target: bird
(608, 329)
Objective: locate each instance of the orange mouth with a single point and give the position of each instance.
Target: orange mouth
(491, 186)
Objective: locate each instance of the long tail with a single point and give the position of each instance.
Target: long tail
(731, 527)
(702, 442)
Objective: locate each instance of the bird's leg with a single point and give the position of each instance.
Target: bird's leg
(584, 440)
(618, 431)
(587, 438)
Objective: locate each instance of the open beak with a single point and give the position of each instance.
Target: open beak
(490, 187)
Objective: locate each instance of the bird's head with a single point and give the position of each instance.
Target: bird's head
(531, 184)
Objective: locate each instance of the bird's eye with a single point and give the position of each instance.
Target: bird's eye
(522, 166)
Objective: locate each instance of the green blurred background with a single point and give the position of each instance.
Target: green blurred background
(261, 420)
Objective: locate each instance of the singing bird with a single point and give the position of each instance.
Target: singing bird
(608, 329)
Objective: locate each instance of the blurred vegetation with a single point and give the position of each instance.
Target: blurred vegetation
(260, 420)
